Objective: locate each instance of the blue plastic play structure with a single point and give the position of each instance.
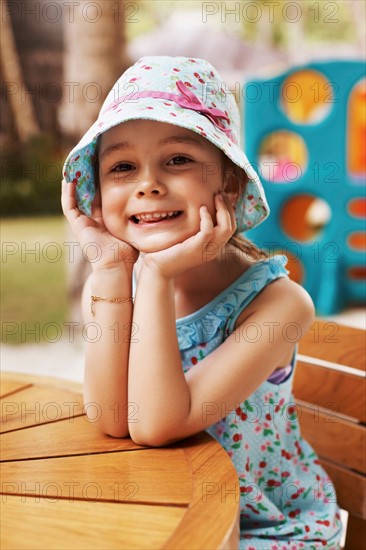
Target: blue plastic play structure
(305, 133)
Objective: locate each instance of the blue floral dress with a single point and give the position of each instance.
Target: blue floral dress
(287, 501)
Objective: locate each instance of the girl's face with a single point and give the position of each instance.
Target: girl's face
(153, 179)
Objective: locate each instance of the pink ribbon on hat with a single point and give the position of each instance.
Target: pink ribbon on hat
(188, 101)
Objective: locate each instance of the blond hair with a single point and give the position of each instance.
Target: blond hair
(236, 181)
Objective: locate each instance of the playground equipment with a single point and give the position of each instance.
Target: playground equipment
(305, 131)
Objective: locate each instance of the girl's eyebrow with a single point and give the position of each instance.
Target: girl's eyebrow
(114, 147)
(180, 139)
(166, 141)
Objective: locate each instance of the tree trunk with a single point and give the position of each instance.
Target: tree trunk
(24, 116)
(94, 57)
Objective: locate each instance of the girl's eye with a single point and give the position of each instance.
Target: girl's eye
(122, 167)
(179, 159)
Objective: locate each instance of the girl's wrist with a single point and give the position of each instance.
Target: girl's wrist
(108, 282)
(114, 270)
(150, 266)
(116, 257)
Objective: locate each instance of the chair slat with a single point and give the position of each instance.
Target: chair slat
(334, 438)
(333, 390)
(336, 343)
(350, 488)
(330, 389)
(356, 532)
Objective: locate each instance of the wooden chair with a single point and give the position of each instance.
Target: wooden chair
(330, 391)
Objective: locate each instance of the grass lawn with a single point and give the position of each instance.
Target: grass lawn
(33, 284)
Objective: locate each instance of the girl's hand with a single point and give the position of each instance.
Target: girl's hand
(202, 247)
(100, 248)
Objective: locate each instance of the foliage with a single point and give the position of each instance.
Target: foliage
(337, 26)
(151, 14)
(323, 21)
(31, 178)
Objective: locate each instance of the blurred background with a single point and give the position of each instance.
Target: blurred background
(59, 60)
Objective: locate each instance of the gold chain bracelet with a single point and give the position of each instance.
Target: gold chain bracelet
(111, 300)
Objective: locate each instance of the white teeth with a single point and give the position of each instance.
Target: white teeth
(156, 215)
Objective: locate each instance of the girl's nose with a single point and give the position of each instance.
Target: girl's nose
(150, 185)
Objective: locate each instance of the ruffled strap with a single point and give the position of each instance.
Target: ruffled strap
(221, 314)
(202, 329)
(259, 276)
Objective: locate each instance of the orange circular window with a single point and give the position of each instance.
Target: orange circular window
(304, 217)
(307, 97)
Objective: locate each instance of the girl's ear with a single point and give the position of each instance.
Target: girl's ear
(231, 187)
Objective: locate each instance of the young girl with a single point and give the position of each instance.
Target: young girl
(157, 193)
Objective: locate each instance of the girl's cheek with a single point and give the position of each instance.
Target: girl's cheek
(112, 193)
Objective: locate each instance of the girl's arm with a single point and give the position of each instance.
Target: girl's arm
(108, 332)
(107, 350)
(172, 405)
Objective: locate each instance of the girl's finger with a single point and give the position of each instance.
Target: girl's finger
(206, 224)
(68, 201)
(68, 191)
(97, 205)
(224, 216)
(204, 233)
(231, 208)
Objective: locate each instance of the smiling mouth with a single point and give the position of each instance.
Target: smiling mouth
(155, 217)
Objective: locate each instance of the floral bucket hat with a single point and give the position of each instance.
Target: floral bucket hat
(186, 92)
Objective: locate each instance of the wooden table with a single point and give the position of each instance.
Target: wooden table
(64, 485)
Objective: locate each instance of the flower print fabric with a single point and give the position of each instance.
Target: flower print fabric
(182, 91)
(287, 501)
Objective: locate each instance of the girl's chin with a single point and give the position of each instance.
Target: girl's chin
(157, 243)
(152, 243)
(149, 248)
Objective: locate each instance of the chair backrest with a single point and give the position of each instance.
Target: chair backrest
(330, 390)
